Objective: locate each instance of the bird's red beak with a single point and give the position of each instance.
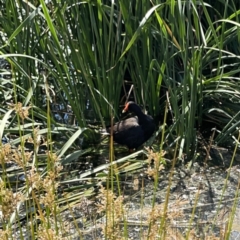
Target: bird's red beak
(126, 108)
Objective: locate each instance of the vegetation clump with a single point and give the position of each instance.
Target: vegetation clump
(67, 68)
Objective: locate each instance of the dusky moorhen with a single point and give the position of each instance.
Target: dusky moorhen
(133, 131)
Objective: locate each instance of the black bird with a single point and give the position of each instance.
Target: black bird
(133, 131)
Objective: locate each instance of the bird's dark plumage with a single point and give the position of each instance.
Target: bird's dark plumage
(134, 131)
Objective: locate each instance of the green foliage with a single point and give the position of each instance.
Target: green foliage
(182, 56)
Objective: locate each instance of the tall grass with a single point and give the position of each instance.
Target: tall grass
(179, 54)
(87, 49)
